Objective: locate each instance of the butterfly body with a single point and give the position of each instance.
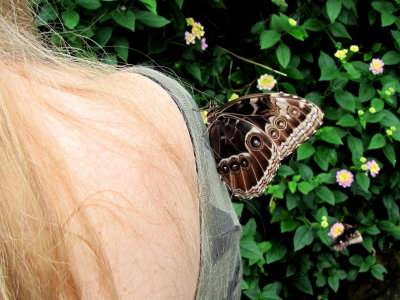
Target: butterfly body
(349, 237)
(252, 134)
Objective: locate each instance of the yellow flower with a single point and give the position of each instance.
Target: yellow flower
(393, 128)
(364, 167)
(324, 222)
(389, 132)
(266, 82)
(233, 97)
(363, 159)
(204, 116)
(292, 22)
(341, 54)
(190, 21)
(354, 48)
(360, 112)
(372, 110)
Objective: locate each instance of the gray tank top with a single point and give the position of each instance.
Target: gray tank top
(220, 260)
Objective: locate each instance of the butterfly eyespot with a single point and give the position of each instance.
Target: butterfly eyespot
(280, 123)
(255, 142)
(293, 111)
(244, 162)
(235, 167)
(224, 169)
(273, 133)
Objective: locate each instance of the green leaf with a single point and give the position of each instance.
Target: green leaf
(347, 120)
(103, 35)
(389, 227)
(277, 252)
(356, 147)
(70, 18)
(329, 134)
(152, 20)
(288, 225)
(377, 271)
(333, 282)
(303, 283)
(372, 230)
(47, 13)
(333, 8)
(314, 24)
(124, 18)
(356, 260)
(383, 6)
(378, 141)
(283, 55)
(366, 92)
(238, 208)
(269, 38)
(89, 4)
(345, 100)
(396, 36)
(387, 19)
(298, 33)
(285, 170)
(305, 151)
(328, 67)
(249, 249)
(338, 30)
(180, 3)
(352, 71)
(325, 194)
(151, 5)
(121, 47)
(390, 154)
(302, 237)
(194, 70)
(391, 58)
(363, 181)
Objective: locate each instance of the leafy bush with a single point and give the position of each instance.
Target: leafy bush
(285, 242)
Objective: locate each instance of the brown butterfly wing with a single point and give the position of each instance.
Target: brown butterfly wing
(281, 122)
(247, 170)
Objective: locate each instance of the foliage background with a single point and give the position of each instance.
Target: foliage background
(284, 247)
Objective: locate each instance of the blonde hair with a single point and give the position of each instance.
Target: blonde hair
(35, 262)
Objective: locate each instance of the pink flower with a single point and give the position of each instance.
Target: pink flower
(376, 66)
(189, 38)
(266, 82)
(344, 178)
(373, 167)
(336, 230)
(204, 45)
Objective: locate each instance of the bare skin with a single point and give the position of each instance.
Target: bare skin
(150, 256)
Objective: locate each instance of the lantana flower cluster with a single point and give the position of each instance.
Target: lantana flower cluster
(342, 54)
(197, 32)
(344, 178)
(370, 166)
(266, 82)
(376, 66)
(336, 230)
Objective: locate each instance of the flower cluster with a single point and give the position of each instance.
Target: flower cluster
(292, 22)
(344, 178)
(354, 48)
(373, 167)
(196, 32)
(389, 131)
(341, 54)
(376, 66)
(389, 91)
(266, 82)
(324, 222)
(336, 230)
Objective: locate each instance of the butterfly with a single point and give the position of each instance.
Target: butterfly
(251, 135)
(349, 236)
